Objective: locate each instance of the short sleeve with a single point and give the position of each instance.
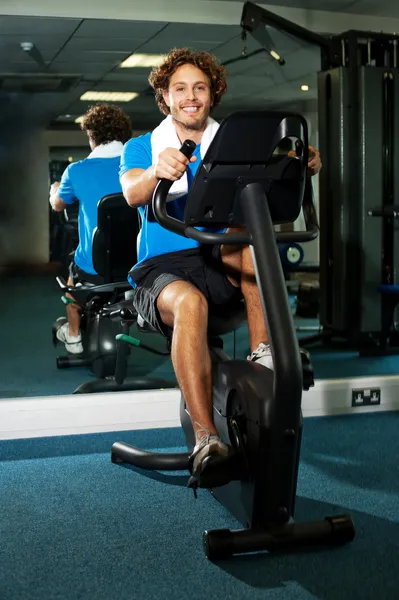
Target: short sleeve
(137, 154)
(66, 191)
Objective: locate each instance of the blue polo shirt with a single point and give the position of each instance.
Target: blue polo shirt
(88, 181)
(155, 240)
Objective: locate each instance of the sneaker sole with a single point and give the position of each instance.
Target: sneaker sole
(71, 348)
(217, 472)
(213, 449)
(74, 351)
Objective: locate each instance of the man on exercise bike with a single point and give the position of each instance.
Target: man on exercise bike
(89, 180)
(176, 279)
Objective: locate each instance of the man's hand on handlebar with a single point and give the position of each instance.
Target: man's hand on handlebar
(314, 164)
(54, 187)
(171, 164)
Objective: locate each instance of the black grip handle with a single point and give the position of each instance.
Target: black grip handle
(188, 148)
(161, 194)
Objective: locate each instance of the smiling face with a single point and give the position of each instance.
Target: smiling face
(189, 97)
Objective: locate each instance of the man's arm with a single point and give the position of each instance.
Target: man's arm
(62, 194)
(138, 185)
(56, 203)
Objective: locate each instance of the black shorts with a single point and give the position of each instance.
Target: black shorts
(80, 277)
(202, 267)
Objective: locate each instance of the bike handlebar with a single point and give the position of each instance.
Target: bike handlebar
(206, 237)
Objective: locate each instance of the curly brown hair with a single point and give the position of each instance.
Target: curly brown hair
(160, 76)
(107, 123)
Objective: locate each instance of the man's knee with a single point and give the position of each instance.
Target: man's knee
(181, 301)
(191, 304)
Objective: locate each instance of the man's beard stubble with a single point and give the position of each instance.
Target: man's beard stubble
(195, 126)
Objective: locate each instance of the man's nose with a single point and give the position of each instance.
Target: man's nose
(191, 95)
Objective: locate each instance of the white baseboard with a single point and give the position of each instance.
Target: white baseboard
(107, 412)
(88, 413)
(334, 396)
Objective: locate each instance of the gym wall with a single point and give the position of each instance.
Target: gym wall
(24, 230)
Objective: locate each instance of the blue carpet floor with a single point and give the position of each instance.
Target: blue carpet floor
(30, 305)
(73, 526)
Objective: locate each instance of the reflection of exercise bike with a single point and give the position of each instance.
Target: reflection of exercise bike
(107, 311)
(257, 412)
(114, 253)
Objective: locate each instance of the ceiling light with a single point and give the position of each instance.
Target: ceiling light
(275, 54)
(142, 60)
(109, 96)
(26, 46)
(277, 57)
(304, 87)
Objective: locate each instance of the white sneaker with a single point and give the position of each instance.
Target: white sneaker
(209, 444)
(262, 356)
(73, 344)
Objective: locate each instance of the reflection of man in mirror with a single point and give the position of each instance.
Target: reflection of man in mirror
(87, 181)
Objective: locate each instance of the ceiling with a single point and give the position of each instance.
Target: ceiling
(82, 55)
(380, 8)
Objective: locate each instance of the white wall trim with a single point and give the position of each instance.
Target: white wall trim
(96, 413)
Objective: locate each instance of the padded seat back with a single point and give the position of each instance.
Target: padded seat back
(114, 243)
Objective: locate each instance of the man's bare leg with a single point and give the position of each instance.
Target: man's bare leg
(241, 273)
(185, 309)
(69, 333)
(73, 314)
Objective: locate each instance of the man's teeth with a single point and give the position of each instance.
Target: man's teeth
(190, 108)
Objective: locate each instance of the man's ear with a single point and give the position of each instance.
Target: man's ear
(212, 103)
(165, 95)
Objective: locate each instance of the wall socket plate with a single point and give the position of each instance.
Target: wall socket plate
(366, 397)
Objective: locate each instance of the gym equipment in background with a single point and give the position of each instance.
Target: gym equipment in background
(358, 108)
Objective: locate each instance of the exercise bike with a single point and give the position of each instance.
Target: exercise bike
(256, 411)
(114, 252)
(107, 309)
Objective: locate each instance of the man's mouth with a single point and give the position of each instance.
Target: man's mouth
(191, 109)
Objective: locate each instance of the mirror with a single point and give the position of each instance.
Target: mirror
(47, 64)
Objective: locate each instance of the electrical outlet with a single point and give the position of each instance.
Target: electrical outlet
(366, 397)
